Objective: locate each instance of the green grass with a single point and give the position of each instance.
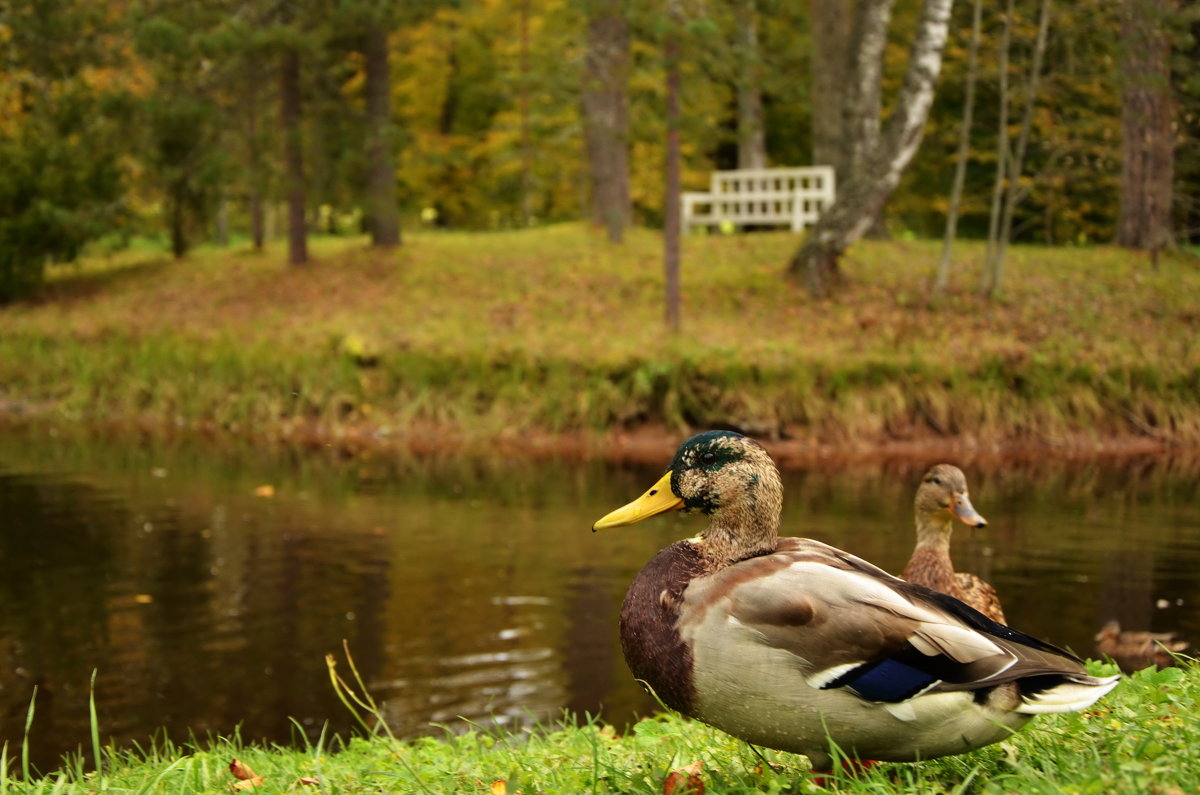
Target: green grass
(553, 330)
(1142, 738)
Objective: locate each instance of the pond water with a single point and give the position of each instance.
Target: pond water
(205, 584)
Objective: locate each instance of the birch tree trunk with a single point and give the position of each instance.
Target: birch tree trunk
(964, 150)
(1147, 142)
(860, 199)
(383, 215)
(860, 111)
(606, 115)
(752, 142)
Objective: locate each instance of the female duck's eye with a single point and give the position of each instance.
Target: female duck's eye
(935, 480)
(708, 457)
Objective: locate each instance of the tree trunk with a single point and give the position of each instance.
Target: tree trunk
(1147, 142)
(293, 156)
(964, 150)
(179, 241)
(252, 82)
(606, 115)
(752, 141)
(859, 200)
(860, 110)
(828, 67)
(987, 279)
(865, 93)
(383, 216)
(257, 224)
(671, 225)
(222, 221)
(523, 108)
(1014, 193)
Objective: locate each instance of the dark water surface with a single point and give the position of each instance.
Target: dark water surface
(467, 588)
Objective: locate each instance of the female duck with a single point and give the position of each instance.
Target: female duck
(941, 497)
(791, 644)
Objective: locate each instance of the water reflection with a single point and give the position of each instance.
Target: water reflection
(465, 587)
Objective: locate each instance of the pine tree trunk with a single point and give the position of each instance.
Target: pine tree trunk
(257, 224)
(524, 108)
(606, 116)
(861, 198)
(1147, 143)
(964, 151)
(179, 241)
(672, 223)
(752, 141)
(289, 100)
(828, 67)
(252, 83)
(383, 216)
(222, 221)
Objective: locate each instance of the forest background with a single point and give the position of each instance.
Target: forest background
(171, 120)
(171, 125)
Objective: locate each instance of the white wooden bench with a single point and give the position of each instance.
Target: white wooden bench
(792, 197)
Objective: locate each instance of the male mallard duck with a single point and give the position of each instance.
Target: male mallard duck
(1134, 650)
(790, 643)
(942, 496)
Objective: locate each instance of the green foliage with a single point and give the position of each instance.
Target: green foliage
(61, 184)
(1072, 168)
(487, 131)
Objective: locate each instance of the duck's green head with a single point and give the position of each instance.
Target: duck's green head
(712, 473)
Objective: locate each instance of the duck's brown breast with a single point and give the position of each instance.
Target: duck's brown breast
(650, 640)
(932, 569)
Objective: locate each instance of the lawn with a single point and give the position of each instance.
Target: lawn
(1144, 737)
(553, 331)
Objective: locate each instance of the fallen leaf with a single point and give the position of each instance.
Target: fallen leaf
(499, 787)
(312, 782)
(143, 598)
(265, 490)
(241, 770)
(685, 781)
(247, 779)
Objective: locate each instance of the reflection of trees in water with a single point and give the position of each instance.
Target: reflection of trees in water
(193, 623)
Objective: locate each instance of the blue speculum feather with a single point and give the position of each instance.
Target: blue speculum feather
(887, 680)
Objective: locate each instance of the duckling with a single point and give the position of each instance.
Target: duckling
(792, 644)
(1133, 650)
(942, 496)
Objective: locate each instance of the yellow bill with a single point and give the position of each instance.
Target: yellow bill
(659, 499)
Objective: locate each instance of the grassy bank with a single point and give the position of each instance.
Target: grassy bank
(1142, 738)
(554, 331)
